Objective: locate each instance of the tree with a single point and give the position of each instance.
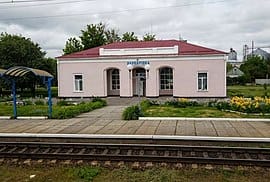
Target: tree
(129, 36)
(229, 67)
(149, 37)
(72, 45)
(111, 36)
(93, 36)
(99, 34)
(16, 50)
(254, 67)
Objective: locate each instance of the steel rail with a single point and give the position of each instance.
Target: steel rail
(137, 153)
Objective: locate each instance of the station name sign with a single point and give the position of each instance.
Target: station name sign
(137, 62)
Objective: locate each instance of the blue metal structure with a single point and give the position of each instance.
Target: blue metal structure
(19, 71)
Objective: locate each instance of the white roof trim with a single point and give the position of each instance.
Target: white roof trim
(139, 51)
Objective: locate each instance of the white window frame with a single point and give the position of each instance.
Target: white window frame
(207, 81)
(111, 75)
(165, 79)
(74, 82)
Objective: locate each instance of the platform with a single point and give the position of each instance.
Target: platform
(108, 121)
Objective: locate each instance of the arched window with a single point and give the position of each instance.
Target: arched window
(115, 81)
(166, 78)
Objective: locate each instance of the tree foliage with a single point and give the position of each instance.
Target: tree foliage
(129, 36)
(16, 50)
(99, 34)
(255, 67)
(111, 36)
(72, 45)
(229, 67)
(149, 37)
(93, 36)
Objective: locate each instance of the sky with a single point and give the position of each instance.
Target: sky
(217, 24)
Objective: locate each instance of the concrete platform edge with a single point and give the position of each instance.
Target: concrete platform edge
(154, 137)
(203, 119)
(5, 117)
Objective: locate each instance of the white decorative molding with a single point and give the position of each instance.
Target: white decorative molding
(138, 51)
(148, 58)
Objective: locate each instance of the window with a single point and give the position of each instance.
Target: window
(166, 78)
(202, 82)
(78, 83)
(115, 79)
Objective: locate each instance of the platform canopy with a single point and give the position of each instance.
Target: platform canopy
(2, 71)
(19, 71)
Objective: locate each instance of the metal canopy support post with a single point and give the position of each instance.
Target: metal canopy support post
(14, 98)
(49, 84)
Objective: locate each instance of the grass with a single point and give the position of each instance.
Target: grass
(197, 112)
(39, 92)
(70, 173)
(59, 112)
(33, 110)
(246, 91)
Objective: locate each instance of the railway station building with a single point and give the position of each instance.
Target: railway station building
(143, 68)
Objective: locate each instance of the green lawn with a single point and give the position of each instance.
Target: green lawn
(58, 111)
(39, 92)
(85, 173)
(32, 110)
(246, 91)
(197, 112)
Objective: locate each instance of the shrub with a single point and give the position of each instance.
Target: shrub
(72, 111)
(212, 104)
(39, 102)
(96, 99)
(173, 103)
(145, 104)
(181, 103)
(132, 113)
(87, 173)
(223, 105)
(62, 103)
(28, 102)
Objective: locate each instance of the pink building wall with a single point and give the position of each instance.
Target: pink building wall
(184, 76)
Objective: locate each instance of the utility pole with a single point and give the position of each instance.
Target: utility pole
(246, 49)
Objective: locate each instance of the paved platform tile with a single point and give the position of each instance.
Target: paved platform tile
(185, 128)
(205, 128)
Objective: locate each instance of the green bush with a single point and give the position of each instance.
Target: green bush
(212, 104)
(173, 103)
(28, 102)
(87, 173)
(39, 102)
(223, 105)
(62, 103)
(181, 103)
(132, 113)
(74, 110)
(97, 99)
(145, 104)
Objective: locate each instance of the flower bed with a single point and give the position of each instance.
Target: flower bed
(246, 105)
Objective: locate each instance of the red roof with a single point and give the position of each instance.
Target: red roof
(184, 48)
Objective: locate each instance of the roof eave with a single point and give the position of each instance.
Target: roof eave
(140, 56)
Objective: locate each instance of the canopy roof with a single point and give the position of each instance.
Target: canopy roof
(2, 71)
(18, 71)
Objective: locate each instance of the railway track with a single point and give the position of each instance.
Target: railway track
(217, 155)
